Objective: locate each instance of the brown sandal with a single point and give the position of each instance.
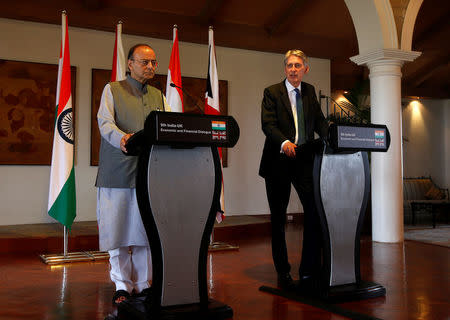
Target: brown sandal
(120, 296)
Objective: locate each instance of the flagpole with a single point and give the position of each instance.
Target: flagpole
(65, 242)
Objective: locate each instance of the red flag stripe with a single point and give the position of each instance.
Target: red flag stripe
(65, 92)
(211, 110)
(174, 66)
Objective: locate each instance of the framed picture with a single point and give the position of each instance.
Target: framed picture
(193, 103)
(27, 111)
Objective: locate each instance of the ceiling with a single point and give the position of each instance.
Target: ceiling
(321, 28)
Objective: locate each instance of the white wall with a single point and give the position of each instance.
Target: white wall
(426, 127)
(24, 189)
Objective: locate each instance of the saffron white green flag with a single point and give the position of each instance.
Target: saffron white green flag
(118, 66)
(61, 198)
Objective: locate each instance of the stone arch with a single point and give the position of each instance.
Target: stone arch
(408, 24)
(374, 24)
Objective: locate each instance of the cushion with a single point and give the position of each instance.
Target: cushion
(434, 194)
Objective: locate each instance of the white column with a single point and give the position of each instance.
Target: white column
(386, 168)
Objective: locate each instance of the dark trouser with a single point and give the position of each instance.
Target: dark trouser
(278, 191)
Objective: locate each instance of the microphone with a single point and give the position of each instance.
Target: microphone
(173, 85)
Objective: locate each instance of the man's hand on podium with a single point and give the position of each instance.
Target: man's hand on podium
(123, 142)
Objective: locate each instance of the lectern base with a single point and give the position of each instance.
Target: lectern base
(337, 294)
(361, 291)
(357, 291)
(138, 309)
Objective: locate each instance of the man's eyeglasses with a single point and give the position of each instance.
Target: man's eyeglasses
(145, 63)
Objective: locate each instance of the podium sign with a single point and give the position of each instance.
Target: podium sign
(359, 138)
(175, 128)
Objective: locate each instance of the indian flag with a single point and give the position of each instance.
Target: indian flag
(379, 134)
(218, 125)
(61, 198)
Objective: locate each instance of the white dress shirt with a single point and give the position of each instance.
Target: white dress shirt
(293, 99)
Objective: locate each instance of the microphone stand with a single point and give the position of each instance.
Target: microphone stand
(173, 85)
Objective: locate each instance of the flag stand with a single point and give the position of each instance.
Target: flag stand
(220, 246)
(82, 256)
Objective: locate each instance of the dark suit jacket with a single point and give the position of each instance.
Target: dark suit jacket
(278, 125)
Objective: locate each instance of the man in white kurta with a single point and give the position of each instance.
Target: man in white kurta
(123, 108)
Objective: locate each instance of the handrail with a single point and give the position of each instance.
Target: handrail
(341, 112)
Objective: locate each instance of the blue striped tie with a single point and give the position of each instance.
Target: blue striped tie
(300, 117)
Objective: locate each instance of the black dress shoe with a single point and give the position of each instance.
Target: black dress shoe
(308, 284)
(305, 278)
(285, 281)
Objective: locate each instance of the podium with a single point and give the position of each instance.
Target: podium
(341, 182)
(341, 188)
(178, 186)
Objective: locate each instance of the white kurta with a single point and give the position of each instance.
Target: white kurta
(119, 219)
(118, 215)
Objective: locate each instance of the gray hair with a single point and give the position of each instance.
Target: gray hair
(297, 53)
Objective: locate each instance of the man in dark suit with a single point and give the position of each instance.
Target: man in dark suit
(290, 114)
